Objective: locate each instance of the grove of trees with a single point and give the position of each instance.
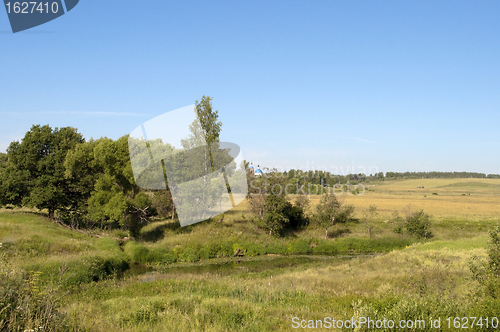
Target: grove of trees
(86, 182)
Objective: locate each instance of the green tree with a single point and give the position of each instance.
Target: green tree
(331, 210)
(34, 175)
(259, 187)
(114, 198)
(209, 126)
(82, 170)
(3, 165)
(369, 215)
(304, 203)
(277, 211)
(208, 118)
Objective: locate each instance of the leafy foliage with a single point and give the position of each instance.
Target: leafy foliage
(280, 214)
(116, 198)
(208, 119)
(418, 224)
(331, 210)
(34, 173)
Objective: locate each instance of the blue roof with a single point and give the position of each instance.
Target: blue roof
(258, 171)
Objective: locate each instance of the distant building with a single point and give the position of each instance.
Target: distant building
(256, 172)
(251, 170)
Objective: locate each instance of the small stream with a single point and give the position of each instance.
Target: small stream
(233, 266)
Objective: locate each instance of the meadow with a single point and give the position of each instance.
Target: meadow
(229, 275)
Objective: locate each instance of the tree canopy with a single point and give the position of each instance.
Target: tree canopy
(34, 173)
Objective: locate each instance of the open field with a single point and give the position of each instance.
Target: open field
(457, 198)
(187, 279)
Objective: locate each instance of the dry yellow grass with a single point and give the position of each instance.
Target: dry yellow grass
(452, 199)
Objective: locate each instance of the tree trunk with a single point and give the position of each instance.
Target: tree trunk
(326, 233)
(173, 212)
(51, 213)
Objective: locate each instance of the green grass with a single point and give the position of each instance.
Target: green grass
(196, 283)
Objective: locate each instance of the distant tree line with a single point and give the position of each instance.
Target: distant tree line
(310, 179)
(440, 175)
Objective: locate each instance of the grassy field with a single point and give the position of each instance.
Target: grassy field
(188, 279)
(443, 198)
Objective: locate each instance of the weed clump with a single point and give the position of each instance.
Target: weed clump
(29, 304)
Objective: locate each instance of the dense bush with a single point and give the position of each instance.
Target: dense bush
(162, 204)
(418, 224)
(141, 254)
(254, 249)
(190, 255)
(280, 214)
(299, 247)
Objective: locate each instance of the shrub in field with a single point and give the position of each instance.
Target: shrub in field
(280, 214)
(418, 224)
(299, 247)
(225, 249)
(276, 214)
(205, 253)
(254, 249)
(304, 203)
(161, 256)
(275, 222)
(275, 248)
(330, 211)
(209, 251)
(141, 254)
(136, 252)
(327, 247)
(190, 255)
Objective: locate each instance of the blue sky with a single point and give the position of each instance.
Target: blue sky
(342, 85)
